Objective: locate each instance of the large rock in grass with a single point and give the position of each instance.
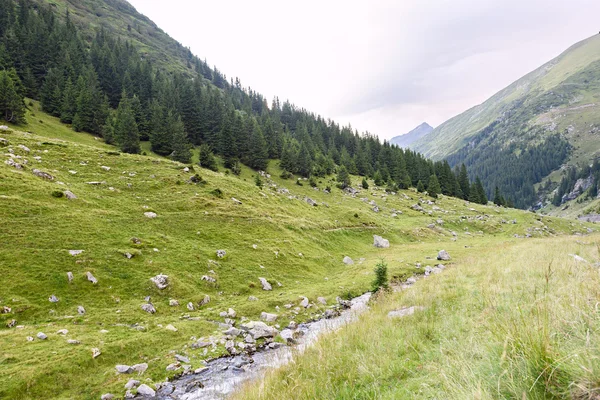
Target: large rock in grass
(265, 316)
(43, 175)
(161, 281)
(380, 242)
(265, 284)
(70, 195)
(348, 261)
(443, 256)
(149, 308)
(123, 369)
(91, 277)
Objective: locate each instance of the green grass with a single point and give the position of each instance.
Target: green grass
(509, 320)
(37, 230)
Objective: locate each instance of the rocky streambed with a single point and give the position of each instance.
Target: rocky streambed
(225, 375)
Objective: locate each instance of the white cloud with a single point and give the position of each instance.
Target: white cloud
(383, 65)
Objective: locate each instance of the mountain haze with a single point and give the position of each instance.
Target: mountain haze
(408, 139)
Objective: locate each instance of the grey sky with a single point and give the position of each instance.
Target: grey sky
(384, 66)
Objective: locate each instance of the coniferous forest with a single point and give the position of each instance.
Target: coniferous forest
(105, 87)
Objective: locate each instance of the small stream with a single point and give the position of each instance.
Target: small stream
(225, 375)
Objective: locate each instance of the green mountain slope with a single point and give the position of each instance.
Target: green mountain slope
(298, 246)
(559, 100)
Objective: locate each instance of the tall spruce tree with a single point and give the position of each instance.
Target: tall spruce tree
(257, 146)
(126, 131)
(12, 108)
(179, 144)
(433, 187)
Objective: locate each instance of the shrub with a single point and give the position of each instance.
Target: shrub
(258, 181)
(57, 193)
(299, 182)
(312, 182)
(286, 175)
(217, 193)
(381, 277)
(236, 168)
(365, 184)
(207, 158)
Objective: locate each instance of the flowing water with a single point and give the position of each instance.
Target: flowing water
(225, 375)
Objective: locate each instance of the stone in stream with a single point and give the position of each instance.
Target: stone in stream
(265, 284)
(161, 281)
(348, 261)
(380, 242)
(123, 369)
(91, 277)
(268, 317)
(146, 391)
(443, 255)
(259, 329)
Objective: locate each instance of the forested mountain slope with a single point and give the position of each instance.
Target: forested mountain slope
(530, 129)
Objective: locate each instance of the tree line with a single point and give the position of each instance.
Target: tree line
(106, 87)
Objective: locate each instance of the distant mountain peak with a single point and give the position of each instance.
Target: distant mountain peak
(407, 139)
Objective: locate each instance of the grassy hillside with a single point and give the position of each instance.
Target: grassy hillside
(272, 234)
(121, 19)
(515, 320)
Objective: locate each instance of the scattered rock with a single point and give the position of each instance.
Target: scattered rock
(311, 202)
(404, 312)
(150, 214)
(268, 317)
(443, 255)
(380, 242)
(171, 328)
(331, 313)
(24, 148)
(146, 391)
(107, 396)
(149, 308)
(132, 384)
(322, 300)
(231, 331)
(11, 324)
(265, 284)
(204, 301)
(75, 252)
(42, 336)
(123, 369)
(5, 310)
(70, 195)
(182, 359)
(173, 303)
(173, 367)
(53, 299)
(62, 332)
(104, 167)
(96, 352)
(190, 306)
(411, 281)
(578, 258)
(43, 175)
(236, 201)
(80, 310)
(348, 261)
(208, 279)
(30, 338)
(231, 313)
(140, 368)
(161, 281)
(221, 253)
(252, 298)
(304, 303)
(74, 342)
(91, 278)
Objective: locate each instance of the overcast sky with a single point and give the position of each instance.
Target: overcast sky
(384, 66)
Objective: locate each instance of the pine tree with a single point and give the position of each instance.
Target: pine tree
(12, 108)
(463, 181)
(258, 153)
(126, 132)
(343, 178)
(69, 103)
(179, 143)
(378, 179)
(420, 187)
(207, 158)
(498, 200)
(304, 161)
(365, 184)
(108, 130)
(480, 192)
(433, 187)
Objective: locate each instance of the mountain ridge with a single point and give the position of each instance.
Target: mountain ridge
(409, 138)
